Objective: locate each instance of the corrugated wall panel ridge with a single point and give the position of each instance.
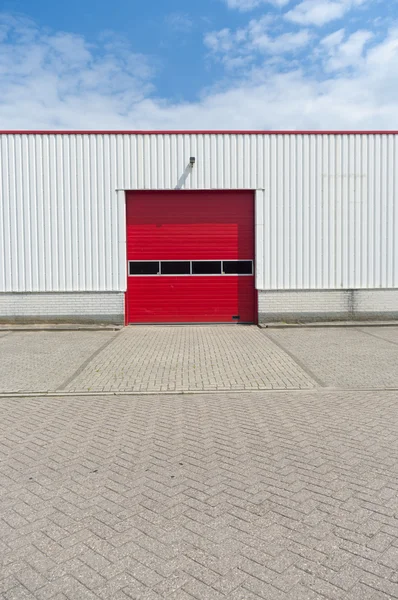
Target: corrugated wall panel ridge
(326, 208)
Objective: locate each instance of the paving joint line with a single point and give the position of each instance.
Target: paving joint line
(378, 337)
(63, 394)
(327, 324)
(298, 362)
(71, 378)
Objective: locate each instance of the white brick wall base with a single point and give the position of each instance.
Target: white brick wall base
(89, 307)
(288, 306)
(321, 305)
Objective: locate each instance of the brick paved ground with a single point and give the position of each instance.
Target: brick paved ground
(42, 361)
(167, 359)
(273, 495)
(344, 357)
(191, 358)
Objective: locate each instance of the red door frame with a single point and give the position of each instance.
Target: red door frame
(255, 290)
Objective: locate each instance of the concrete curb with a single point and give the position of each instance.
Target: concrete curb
(49, 327)
(327, 324)
(83, 393)
(327, 390)
(81, 327)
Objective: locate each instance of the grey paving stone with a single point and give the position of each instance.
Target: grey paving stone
(390, 557)
(241, 496)
(202, 358)
(344, 357)
(40, 361)
(198, 358)
(19, 592)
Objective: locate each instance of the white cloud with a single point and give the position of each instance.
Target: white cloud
(284, 43)
(60, 81)
(350, 53)
(44, 76)
(320, 12)
(179, 21)
(220, 41)
(246, 5)
(242, 46)
(383, 58)
(334, 39)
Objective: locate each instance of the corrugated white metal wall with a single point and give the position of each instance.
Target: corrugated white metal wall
(327, 205)
(328, 215)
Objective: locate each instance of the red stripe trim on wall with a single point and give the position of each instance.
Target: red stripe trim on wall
(198, 132)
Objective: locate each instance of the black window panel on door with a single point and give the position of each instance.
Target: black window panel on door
(206, 267)
(238, 267)
(144, 268)
(175, 267)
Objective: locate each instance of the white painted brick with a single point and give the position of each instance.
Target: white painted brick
(106, 306)
(327, 304)
(376, 300)
(305, 301)
(273, 305)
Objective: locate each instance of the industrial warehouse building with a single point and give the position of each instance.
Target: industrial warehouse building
(198, 227)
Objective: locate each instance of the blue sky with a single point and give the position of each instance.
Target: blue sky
(172, 64)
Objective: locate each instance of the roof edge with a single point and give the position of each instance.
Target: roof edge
(195, 132)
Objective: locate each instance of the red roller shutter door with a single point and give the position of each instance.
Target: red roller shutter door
(190, 226)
